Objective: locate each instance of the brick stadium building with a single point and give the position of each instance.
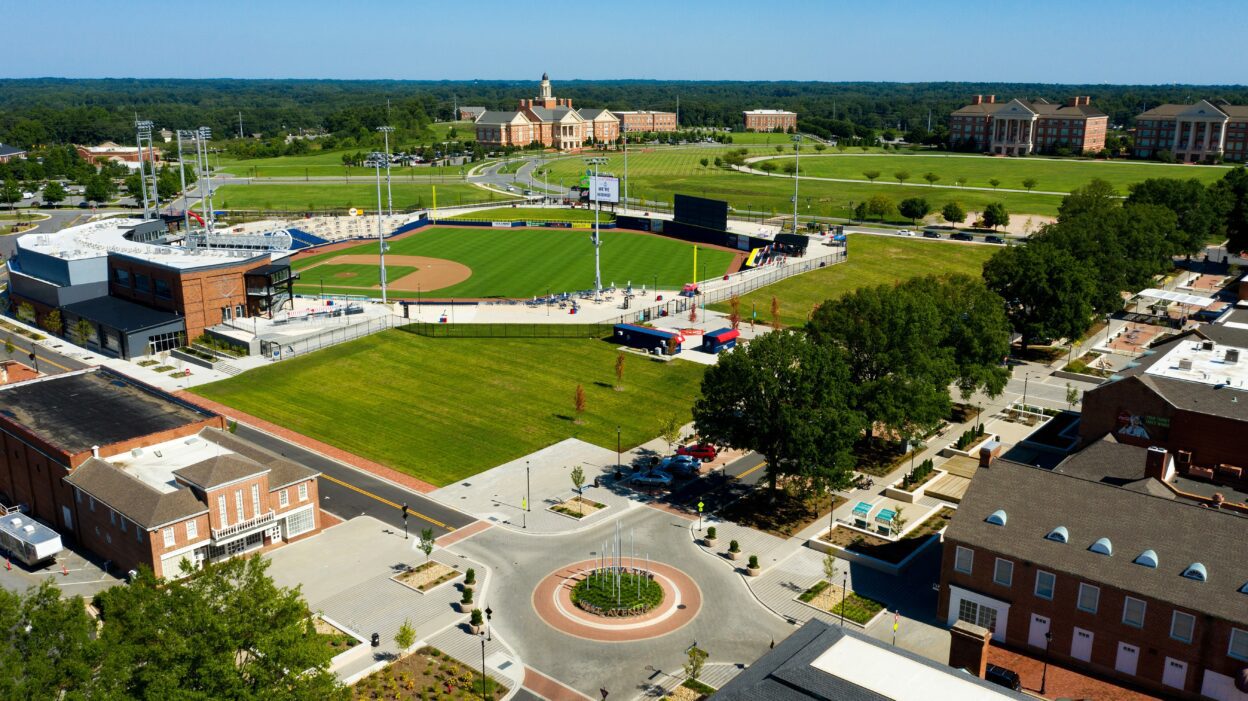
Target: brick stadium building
(1189, 395)
(646, 121)
(140, 477)
(145, 289)
(548, 120)
(770, 120)
(1194, 133)
(1019, 128)
(1112, 562)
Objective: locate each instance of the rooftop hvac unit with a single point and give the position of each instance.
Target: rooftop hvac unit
(1232, 355)
(1206, 345)
(1185, 364)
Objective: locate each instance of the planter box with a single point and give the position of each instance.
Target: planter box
(733, 556)
(896, 492)
(874, 563)
(192, 359)
(971, 451)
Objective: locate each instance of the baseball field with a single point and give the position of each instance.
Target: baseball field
(486, 262)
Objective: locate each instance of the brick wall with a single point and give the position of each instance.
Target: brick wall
(197, 295)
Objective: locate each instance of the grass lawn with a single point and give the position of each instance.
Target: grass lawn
(873, 260)
(444, 409)
(308, 197)
(353, 275)
(1051, 174)
(658, 174)
(525, 262)
(535, 214)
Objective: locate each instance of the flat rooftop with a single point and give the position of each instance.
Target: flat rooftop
(155, 464)
(94, 407)
(880, 670)
(768, 112)
(100, 238)
(1204, 361)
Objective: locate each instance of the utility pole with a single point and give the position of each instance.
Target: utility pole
(381, 239)
(386, 133)
(240, 124)
(625, 170)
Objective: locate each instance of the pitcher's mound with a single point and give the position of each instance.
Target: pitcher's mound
(431, 273)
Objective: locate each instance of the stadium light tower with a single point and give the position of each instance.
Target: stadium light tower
(389, 199)
(203, 136)
(595, 162)
(375, 160)
(143, 133)
(797, 170)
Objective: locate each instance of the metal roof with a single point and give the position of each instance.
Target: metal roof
(1169, 296)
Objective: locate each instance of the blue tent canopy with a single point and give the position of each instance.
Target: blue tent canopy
(862, 510)
(886, 516)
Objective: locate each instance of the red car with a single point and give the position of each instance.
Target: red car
(702, 451)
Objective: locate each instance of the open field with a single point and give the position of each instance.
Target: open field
(312, 196)
(1051, 174)
(659, 174)
(521, 263)
(873, 260)
(444, 409)
(535, 214)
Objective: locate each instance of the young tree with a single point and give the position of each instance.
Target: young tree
(719, 162)
(670, 429)
(871, 174)
(960, 180)
(820, 147)
(405, 637)
(880, 206)
(931, 178)
(995, 215)
(775, 313)
(54, 193)
(578, 402)
(861, 211)
(1072, 395)
(902, 176)
(734, 311)
(767, 167)
(26, 312)
(11, 194)
(953, 213)
(426, 542)
(82, 332)
(779, 148)
(841, 146)
(695, 661)
(619, 371)
(1030, 183)
(914, 208)
(790, 167)
(705, 162)
(790, 400)
(9, 347)
(52, 322)
(899, 521)
(994, 182)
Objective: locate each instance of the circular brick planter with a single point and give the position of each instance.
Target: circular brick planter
(552, 600)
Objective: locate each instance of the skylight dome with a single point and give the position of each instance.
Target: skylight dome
(1103, 546)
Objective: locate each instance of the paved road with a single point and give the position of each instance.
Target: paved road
(719, 486)
(347, 492)
(48, 361)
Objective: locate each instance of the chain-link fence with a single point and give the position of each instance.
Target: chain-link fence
(329, 337)
(515, 330)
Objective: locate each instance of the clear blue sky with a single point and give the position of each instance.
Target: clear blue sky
(1047, 41)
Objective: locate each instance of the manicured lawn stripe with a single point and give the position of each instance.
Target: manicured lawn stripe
(535, 214)
(311, 196)
(444, 409)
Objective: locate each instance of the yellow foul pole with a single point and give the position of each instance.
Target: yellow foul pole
(695, 264)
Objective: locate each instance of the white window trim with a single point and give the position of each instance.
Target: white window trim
(303, 491)
(957, 556)
(255, 500)
(283, 498)
(1230, 643)
(1079, 599)
(192, 530)
(996, 568)
(1126, 602)
(170, 536)
(1174, 616)
(1052, 589)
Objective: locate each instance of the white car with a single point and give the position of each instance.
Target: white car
(653, 477)
(905, 232)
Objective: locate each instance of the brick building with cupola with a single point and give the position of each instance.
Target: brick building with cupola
(141, 477)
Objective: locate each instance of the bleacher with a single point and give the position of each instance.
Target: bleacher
(330, 229)
(302, 239)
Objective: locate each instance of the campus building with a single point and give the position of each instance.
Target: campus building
(470, 113)
(646, 121)
(109, 152)
(1188, 395)
(143, 288)
(8, 153)
(1113, 562)
(770, 120)
(548, 120)
(140, 477)
(1020, 127)
(1194, 133)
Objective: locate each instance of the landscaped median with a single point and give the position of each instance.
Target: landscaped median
(577, 507)
(829, 597)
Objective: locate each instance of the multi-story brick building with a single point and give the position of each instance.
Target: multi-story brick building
(1111, 563)
(1189, 395)
(142, 478)
(548, 120)
(1193, 133)
(471, 112)
(646, 121)
(141, 293)
(1019, 128)
(9, 153)
(770, 120)
(115, 153)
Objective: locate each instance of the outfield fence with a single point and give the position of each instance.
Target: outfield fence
(508, 330)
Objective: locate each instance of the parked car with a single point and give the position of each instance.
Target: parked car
(679, 464)
(994, 239)
(654, 478)
(702, 451)
(961, 236)
(931, 234)
(1003, 677)
(905, 232)
(646, 462)
(528, 193)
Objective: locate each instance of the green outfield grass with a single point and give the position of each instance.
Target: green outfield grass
(873, 260)
(352, 275)
(535, 214)
(444, 409)
(659, 174)
(1050, 174)
(306, 197)
(519, 263)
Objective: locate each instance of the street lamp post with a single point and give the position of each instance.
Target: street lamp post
(528, 492)
(595, 162)
(617, 446)
(844, 586)
(1044, 675)
(797, 169)
(483, 697)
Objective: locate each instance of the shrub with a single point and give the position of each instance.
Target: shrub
(710, 533)
(467, 597)
(477, 618)
(733, 547)
(470, 577)
(753, 562)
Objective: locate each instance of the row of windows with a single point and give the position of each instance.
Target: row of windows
(1182, 625)
(115, 519)
(142, 283)
(164, 341)
(170, 533)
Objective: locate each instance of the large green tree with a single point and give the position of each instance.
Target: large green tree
(1233, 189)
(1201, 210)
(790, 400)
(914, 208)
(48, 648)
(227, 632)
(1047, 291)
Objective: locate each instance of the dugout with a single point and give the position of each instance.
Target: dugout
(647, 339)
(719, 341)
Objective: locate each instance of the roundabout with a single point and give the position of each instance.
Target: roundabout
(668, 600)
